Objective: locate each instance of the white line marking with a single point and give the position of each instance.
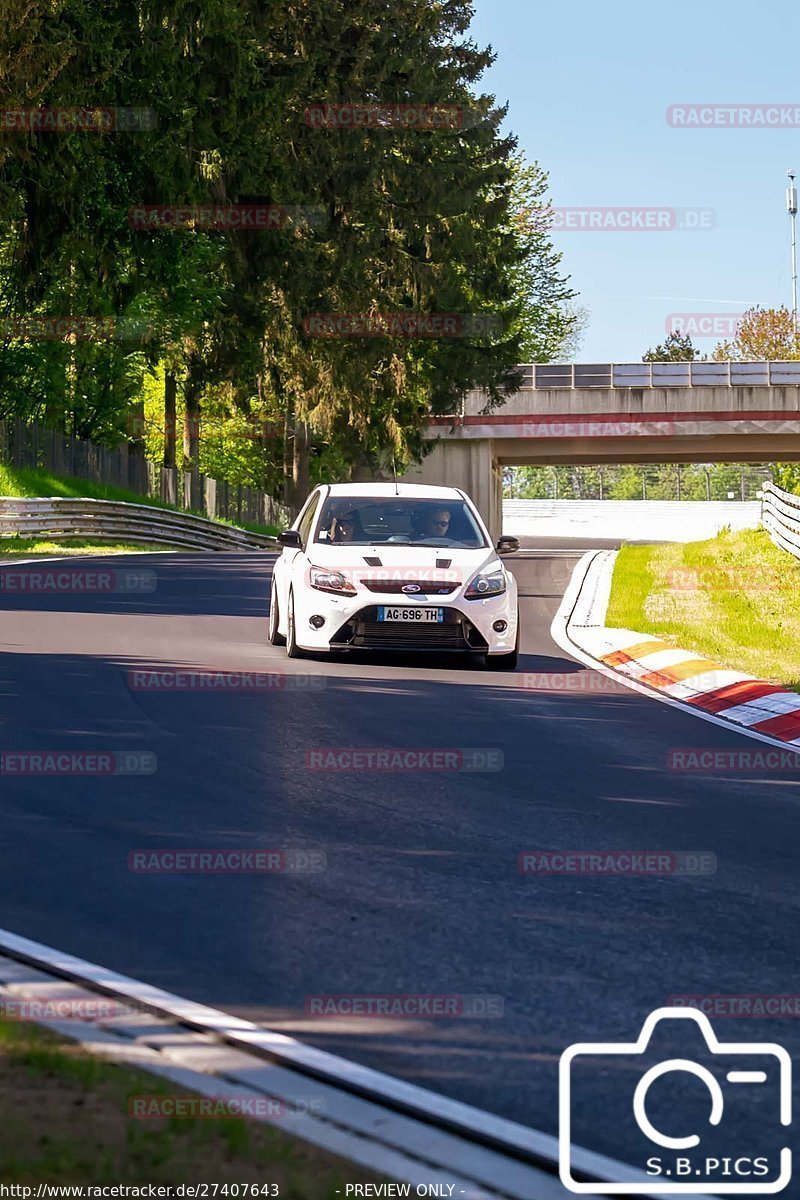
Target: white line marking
(526, 1147)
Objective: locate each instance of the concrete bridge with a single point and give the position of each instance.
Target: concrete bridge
(617, 413)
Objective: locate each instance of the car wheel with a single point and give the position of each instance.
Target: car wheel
(505, 662)
(275, 638)
(292, 648)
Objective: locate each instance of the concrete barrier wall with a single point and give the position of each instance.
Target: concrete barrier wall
(633, 520)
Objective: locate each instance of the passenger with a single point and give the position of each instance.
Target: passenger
(347, 528)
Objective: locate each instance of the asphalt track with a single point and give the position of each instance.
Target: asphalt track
(422, 894)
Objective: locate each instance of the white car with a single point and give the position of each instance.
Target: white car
(385, 566)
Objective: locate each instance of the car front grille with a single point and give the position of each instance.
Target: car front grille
(365, 632)
(384, 633)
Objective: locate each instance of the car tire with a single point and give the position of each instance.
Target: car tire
(505, 662)
(275, 638)
(292, 648)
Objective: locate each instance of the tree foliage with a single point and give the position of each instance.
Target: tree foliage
(763, 333)
(677, 347)
(405, 219)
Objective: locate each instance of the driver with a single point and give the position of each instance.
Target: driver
(436, 524)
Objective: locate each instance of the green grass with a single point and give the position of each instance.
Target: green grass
(15, 547)
(734, 598)
(35, 481)
(64, 1119)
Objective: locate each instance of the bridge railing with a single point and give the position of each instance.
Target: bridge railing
(660, 374)
(780, 516)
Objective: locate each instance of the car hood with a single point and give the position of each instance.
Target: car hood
(405, 562)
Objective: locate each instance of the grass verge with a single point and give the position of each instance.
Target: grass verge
(14, 547)
(35, 481)
(734, 598)
(64, 1119)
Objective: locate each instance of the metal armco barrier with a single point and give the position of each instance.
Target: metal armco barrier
(112, 520)
(780, 516)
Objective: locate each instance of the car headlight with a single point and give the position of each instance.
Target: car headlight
(491, 583)
(331, 581)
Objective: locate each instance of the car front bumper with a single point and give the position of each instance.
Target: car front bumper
(351, 623)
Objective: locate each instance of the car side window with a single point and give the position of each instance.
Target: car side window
(304, 527)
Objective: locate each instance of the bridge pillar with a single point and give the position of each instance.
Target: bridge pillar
(471, 466)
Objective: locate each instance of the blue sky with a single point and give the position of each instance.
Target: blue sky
(588, 87)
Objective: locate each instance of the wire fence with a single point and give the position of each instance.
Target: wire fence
(31, 445)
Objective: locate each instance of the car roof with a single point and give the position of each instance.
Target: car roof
(419, 491)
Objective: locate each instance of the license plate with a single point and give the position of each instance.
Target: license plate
(415, 616)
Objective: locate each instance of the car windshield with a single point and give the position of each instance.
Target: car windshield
(399, 520)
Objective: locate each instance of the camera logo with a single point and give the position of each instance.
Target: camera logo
(676, 1096)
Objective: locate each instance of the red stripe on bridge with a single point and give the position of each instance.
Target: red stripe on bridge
(622, 418)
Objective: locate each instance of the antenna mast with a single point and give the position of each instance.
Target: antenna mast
(791, 204)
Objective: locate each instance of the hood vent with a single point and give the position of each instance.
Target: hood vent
(373, 562)
(443, 563)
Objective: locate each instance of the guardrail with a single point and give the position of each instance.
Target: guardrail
(780, 516)
(113, 520)
(660, 374)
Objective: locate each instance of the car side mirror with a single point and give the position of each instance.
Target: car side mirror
(291, 539)
(507, 545)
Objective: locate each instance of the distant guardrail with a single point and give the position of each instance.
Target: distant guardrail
(113, 520)
(660, 374)
(780, 516)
